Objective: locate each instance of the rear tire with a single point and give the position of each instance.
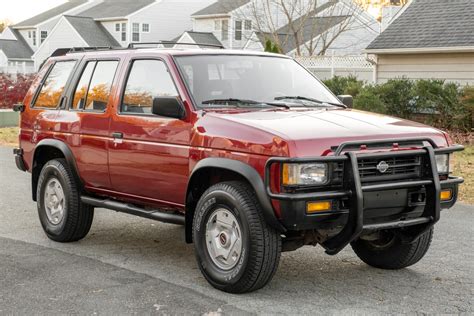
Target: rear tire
(390, 252)
(63, 217)
(236, 250)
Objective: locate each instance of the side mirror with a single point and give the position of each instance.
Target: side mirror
(347, 100)
(168, 107)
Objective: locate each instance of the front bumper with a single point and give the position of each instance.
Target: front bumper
(360, 207)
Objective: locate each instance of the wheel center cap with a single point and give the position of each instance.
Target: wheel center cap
(223, 239)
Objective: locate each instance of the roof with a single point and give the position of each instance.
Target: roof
(221, 7)
(204, 38)
(430, 24)
(311, 27)
(91, 31)
(16, 49)
(37, 19)
(115, 8)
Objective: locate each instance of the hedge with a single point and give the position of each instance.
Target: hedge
(435, 102)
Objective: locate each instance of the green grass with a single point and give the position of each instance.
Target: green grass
(9, 136)
(464, 166)
(463, 163)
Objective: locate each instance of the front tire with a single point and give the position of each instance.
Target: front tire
(236, 250)
(389, 252)
(63, 217)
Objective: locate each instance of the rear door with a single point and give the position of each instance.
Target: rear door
(84, 123)
(148, 158)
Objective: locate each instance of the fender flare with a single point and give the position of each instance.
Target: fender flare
(68, 155)
(252, 176)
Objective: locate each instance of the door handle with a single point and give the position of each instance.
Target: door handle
(118, 137)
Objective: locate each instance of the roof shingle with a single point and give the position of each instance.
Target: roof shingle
(37, 19)
(91, 31)
(430, 24)
(115, 8)
(16, 49)
(221, 7)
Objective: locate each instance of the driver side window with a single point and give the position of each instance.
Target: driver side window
(147, 80)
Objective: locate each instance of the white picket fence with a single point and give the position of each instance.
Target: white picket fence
(326, 67)
(17, 69)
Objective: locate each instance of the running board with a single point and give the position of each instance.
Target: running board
(161, 216)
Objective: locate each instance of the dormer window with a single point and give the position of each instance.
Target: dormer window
(238, 30)
(135, 32)
(43, 36)
(225, 30)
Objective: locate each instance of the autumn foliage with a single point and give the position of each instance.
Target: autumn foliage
(13, 89)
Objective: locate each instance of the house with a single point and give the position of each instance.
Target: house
(15, 53)
(430, 39)
(238, 25)
(103, 23)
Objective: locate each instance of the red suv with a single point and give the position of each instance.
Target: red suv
(251, 152)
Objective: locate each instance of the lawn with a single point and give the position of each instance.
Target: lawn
(463, 162)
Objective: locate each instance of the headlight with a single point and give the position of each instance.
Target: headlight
(442, 163)
(305, 174)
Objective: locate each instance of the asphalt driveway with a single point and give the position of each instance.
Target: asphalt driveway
(131, 265)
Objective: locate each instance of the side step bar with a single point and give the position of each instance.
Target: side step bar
(157, 215)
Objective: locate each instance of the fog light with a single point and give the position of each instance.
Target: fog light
(316, 207)
(446, 195)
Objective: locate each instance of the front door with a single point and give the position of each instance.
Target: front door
(148, 155)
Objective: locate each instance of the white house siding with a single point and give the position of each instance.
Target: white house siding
(3, 59)
(110, 27)
(167, 18)
(7, 34)
(452, 67)
(24, 33)
(62, 34)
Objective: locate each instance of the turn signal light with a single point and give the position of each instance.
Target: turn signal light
(446, 195)
(316, 207)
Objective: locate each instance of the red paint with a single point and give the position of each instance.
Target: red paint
(153, 163)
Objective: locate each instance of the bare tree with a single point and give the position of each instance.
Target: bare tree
(306, 26)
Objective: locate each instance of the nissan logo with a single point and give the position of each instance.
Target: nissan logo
(382, 167)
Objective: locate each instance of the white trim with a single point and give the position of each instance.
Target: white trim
(458, 49)
(115, 18)
(212, 16)
(52, 32)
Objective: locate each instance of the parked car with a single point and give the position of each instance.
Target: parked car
(251, 152)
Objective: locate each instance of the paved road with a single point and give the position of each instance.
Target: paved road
(132, 265)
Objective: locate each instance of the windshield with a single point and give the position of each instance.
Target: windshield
(242, 80)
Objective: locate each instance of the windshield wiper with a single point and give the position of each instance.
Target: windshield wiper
(239, 102)
(308, 99)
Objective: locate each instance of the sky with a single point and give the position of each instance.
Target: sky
(19, 10)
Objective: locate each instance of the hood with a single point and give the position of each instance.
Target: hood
(307, 132)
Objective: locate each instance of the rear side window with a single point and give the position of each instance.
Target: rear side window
(54, 84)
(93, 89)
(148, 79)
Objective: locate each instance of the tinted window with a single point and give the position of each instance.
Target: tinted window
(82, 87)
(148, 79)
(98, 92)
(54, 84)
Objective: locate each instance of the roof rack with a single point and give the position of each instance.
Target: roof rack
(64, 51)
(136, 45)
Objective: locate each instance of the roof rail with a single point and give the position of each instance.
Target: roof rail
(136, 45)
(86, 49)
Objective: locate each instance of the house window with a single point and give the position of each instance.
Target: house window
(117, 27)
(238, 30)
(225, 30)
(146, 28)
(135, 32)
(124, 32)
(248, 25)
(43, 36)
(29, 34)
(34, 37)
(217, 25)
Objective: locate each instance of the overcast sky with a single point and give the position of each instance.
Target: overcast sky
(19, 10)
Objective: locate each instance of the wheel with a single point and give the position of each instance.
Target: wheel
(63, 217)
(236, 250)
(389, 252)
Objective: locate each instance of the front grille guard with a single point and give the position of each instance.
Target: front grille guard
(353, 189)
